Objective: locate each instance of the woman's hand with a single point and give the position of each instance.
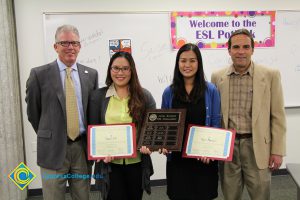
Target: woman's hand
(145, 150)
(107, 159)
(164, 151)
(205, 160)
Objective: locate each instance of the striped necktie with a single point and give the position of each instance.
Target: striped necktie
(71, 107)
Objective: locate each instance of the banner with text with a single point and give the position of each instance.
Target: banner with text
(213, 29)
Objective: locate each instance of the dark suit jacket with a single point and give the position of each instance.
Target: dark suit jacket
(46, 110)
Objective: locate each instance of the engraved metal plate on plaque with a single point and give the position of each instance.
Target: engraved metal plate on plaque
(163, 128)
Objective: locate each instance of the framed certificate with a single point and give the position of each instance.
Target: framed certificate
(214, 143)
(118, 140)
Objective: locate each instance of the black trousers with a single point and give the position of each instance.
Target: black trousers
(125, 182)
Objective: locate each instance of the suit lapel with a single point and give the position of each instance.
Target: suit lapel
(84, 79)
(259, 86)
(224, 88)
(57, 85)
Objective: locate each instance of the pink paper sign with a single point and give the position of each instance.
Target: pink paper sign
(212, 30)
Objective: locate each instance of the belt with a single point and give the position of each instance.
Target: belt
(76, 140)
(243, 136)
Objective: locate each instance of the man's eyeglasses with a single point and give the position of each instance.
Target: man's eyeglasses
(116, 69)
(67, 43)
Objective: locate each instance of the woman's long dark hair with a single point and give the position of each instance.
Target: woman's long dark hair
(137, 102)
(178, 84)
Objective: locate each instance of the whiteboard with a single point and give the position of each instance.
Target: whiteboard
(151, 47)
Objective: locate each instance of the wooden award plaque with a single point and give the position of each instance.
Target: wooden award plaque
(163, 128)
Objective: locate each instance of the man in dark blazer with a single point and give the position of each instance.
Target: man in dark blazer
(61, 158)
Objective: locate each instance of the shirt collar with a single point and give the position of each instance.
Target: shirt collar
(111, 91)
(249, 71)
(62, 66)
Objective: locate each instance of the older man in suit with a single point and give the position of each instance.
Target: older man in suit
(252, 104)
(57, 96)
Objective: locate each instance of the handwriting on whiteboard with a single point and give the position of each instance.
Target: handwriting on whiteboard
(91, 38)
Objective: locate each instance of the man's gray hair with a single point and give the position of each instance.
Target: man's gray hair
(66, 28)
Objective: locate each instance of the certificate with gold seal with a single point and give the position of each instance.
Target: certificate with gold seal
(214, 143)
(117, 140)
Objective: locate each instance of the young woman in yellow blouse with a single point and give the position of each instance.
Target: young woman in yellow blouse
(123, 100)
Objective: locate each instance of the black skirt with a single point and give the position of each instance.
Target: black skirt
(191, 179)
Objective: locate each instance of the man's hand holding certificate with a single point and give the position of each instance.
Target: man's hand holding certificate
(117, 140)
(209, 142)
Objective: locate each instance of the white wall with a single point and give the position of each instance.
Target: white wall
(30, 36)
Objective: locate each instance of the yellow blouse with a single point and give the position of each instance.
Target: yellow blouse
(116, 113)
